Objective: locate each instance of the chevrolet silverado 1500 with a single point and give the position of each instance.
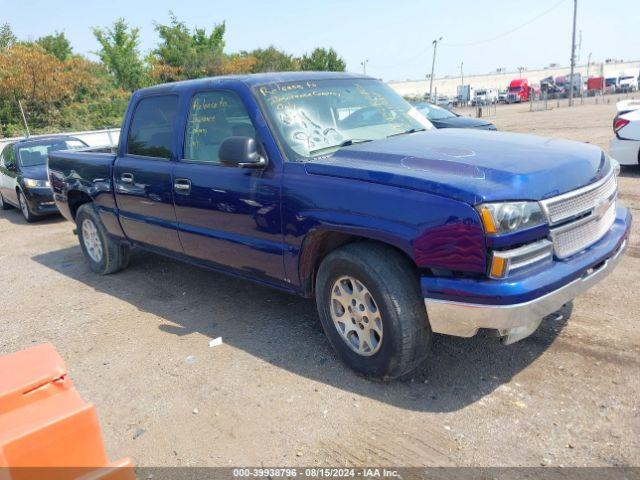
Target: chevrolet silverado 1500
(331, 186)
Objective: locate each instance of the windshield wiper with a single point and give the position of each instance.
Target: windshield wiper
(346, 143)
(406, 132)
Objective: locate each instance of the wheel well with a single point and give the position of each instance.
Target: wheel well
(76, 199)
(320, 244)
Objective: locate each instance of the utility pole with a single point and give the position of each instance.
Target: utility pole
(461, 74)
(433, 67)
(573, 52)
(24, 119)
(364, 65)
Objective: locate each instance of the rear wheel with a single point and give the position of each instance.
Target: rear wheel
(104, 253)
(25, 209)
(372, 311)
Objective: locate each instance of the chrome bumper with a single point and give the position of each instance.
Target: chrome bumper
(516, 321)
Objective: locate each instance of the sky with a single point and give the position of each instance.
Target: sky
(394, 36)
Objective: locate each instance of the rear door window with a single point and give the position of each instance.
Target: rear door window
(151, 130)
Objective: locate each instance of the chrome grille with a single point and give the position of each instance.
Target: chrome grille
(581, 201)
(575, 237)
(580, 218)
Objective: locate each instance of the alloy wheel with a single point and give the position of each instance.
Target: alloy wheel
(91, 240)
(356, 315)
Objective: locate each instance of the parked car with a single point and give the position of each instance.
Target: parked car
(443, 118)
(518, 91)
(625, 145)
(23, 174)
(445, 102)
(396, 229)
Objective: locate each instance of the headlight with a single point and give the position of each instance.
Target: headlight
(509, 217)
(31, 183)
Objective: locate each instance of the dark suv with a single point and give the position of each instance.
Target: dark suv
(23, 174)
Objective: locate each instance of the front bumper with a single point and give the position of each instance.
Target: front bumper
(40, 201)
(515, 307)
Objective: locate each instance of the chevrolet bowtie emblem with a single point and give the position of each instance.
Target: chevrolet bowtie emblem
(601, 207)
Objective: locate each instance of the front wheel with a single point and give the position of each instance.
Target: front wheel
(25, 209)
(104, 253)
(372, 311)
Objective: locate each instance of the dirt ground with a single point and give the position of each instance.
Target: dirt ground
(274, 393)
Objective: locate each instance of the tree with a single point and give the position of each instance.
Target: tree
(120, 54)
(237, 64)
(185, 54)
(7, 38)
(39, 80)
(323, 60)
(57, 45)
(271, 59)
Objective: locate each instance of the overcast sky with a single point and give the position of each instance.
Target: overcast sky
(395, 36)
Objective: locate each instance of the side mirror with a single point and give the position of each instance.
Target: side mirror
(240, 152)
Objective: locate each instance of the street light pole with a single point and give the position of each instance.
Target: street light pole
(573, 52)
(433, 67)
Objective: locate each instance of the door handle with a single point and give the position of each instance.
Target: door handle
(127, 177)
(182, 186)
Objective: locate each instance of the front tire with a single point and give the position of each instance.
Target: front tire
(25, 209)
(104, 253)
(372, 311)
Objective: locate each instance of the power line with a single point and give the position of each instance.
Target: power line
(508, 32)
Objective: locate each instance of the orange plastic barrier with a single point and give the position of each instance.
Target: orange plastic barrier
(46, 430)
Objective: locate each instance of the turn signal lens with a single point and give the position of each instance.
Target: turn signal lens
(498, 267)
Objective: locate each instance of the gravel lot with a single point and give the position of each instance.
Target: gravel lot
(274, 394)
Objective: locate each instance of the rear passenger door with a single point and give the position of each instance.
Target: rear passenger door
(226, 215)
(143, 174)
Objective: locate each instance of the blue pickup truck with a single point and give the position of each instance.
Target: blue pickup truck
(330, 185)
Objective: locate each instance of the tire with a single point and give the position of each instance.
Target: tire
(24, 208)
(394, 297)
(104, 253)
(3, 204)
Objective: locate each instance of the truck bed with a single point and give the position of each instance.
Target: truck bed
(86, 172)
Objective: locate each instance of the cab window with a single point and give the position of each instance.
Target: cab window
(151, 131)
(214, 116)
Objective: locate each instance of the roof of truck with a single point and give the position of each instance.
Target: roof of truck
(251, 80)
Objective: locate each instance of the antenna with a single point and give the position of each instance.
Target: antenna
(24, 119)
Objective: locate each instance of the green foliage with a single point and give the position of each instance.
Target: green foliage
(119, 53)
(57, 45)
(271, 59)
(62, 91)
(322, 59)
(189, 54)
(7, 38)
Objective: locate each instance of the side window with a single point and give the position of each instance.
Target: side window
(9, 156)
(214, 116)
(151, 130)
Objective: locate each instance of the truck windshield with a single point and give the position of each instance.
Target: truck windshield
(316, 117)
(37, 153)
(515, 89)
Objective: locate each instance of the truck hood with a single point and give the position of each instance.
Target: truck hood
(472, 166)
